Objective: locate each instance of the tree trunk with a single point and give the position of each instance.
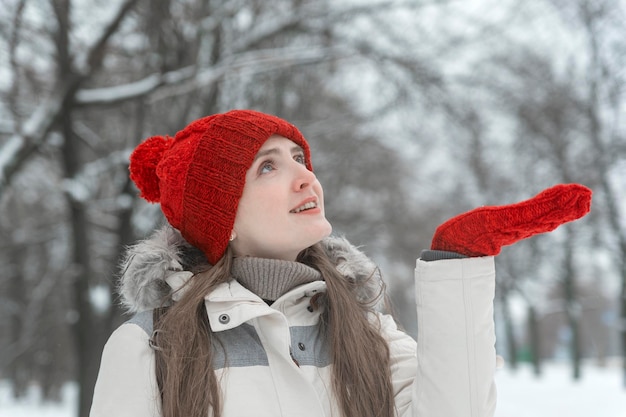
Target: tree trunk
(511, 342)
(622, 320)
(572, 306)
(16, 292)
(85, 328)
(534, 340)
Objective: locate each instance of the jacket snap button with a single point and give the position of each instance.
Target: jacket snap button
(301, 346)
(224, 318)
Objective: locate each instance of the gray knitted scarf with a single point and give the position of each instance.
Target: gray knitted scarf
(271, 278)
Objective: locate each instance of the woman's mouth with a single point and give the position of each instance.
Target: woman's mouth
(305, 206)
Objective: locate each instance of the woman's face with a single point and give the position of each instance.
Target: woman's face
(281, 210)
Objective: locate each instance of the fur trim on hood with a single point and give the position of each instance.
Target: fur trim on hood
(150, 262)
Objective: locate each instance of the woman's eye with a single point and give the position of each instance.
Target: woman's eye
(266, 167)
(300, 159)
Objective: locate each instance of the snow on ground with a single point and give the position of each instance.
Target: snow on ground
(599, 394)
(33, 406)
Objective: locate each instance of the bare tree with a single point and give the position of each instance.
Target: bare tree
(600, 101)
(566, 128)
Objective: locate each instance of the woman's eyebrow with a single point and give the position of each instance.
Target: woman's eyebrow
(271, 151)
(275, 151)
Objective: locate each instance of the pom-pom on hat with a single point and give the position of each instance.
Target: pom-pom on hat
(198, 175)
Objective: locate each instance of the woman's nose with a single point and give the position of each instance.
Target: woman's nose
(303, 178)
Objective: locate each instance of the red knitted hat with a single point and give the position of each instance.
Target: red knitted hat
(198, 176)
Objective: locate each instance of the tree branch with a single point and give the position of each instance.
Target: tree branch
(33, 132)
(188, 79)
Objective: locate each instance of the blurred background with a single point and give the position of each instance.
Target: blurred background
(415, 111)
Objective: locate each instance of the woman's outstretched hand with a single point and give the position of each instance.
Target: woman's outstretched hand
(484, 230)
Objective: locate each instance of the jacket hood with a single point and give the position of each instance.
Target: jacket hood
(150, 262)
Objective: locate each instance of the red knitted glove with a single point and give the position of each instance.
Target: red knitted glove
(484, 230)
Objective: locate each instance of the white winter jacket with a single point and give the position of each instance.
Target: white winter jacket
(449, 372)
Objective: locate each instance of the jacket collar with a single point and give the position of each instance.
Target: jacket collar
(231, 304)
(154, 266)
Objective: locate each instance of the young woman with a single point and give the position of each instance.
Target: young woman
(247, 306)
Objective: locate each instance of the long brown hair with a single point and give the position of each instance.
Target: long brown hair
(359, 354)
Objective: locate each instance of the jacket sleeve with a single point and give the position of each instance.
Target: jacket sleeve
(450, 372)
(126, 385)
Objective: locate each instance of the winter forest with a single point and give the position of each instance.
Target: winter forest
(415, 110)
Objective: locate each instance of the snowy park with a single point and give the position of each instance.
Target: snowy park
(415, 111)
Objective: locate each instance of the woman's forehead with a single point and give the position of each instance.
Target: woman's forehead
(277, 141)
